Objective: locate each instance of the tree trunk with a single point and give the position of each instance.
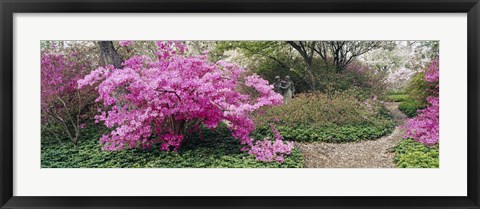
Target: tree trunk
(109, 54)
(307, 51)
(312, 81)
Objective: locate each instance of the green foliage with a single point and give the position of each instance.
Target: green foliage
(266, 58)
(361, 85)
(277, 58)
(395, 92)
(396, 97)
(318, 110)
(215, 150)
(268, 69)
(330, 118)
(410, 107)
(411, 154)
(53, 132)
(337, 133)
(419, 89)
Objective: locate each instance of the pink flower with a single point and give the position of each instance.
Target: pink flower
(125, 43)
(432, 74)
(425, 126)
(268, 151)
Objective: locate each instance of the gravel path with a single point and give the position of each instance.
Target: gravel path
(364, 154)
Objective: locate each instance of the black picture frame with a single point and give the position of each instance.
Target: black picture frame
(9, 7)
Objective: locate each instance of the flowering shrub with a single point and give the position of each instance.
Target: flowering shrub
(398, 79)
(62, 103)
(165, 100)
(424, 127)
(268, 151)
(432, 74)
(55, 78)
(125, 43)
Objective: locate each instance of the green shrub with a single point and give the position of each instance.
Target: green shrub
(419, 89)
(215, 150)
(361, 85)
(396, 97)
(330, 118)
(396, 92)
(318, 110)
(411, 154)
(410, 107)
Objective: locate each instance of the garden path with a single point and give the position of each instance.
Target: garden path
(363, 154)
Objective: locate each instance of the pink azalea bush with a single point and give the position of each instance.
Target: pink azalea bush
(424, 127)
(61, 102)
(432, 74)
(55, 78)
(164, 100)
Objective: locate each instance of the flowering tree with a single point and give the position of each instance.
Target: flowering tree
(424, 127)
(399, 60)
(166, 99)
(61, 102)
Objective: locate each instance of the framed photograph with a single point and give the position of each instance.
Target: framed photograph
(239, 104)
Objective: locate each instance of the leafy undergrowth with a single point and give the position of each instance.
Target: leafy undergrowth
(215, 150)
(397, 97)
(411, 154)
(410, 107)
(337, 118)
(338, 134)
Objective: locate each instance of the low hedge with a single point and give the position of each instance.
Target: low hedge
(412, 154)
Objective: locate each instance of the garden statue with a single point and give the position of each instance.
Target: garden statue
(288, 89)
(277, 85)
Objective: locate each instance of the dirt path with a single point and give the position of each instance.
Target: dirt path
(363, 154)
